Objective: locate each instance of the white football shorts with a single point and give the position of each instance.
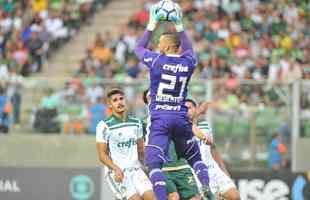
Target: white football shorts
(135, 182)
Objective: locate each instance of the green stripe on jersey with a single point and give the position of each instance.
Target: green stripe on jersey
(123, 125)
(203, 126)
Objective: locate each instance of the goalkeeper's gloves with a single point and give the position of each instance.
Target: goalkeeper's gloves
(153, 19)
(177, 20)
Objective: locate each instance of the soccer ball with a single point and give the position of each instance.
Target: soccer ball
(167, 10)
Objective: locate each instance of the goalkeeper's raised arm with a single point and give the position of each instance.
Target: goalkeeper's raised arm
(145, 55)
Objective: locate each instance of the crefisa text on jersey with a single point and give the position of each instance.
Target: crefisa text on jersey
(176, 68)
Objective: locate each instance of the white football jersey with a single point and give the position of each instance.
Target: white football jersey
(205, 149)
(121, 137)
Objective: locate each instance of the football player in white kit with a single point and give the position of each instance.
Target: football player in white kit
(220, 182)
(120, 148)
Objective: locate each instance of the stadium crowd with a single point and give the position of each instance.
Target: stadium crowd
(236, 41)
(29, 33)
(242, 40)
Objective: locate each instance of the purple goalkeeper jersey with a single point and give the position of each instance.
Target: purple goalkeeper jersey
(169, 75)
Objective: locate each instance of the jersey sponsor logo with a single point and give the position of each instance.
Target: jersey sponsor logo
(168, 107)
(131, 142)
(7, 185)
(176, 68)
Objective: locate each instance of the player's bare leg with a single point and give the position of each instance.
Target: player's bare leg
(174, 196)
(135, 197)
(149, 195)
(231, 194)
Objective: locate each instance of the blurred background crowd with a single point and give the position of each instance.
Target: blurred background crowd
(251, 49)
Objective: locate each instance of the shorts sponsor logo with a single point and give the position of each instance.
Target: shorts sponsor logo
(7, 185)
(190, 180)
(81, 187)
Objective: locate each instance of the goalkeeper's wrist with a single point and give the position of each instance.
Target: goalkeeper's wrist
(151, 26)
(179, 27)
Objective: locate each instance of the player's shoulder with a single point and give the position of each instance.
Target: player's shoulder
(134, 120)
(190, 56)
(110, 121)
(101, 127)
(150, 56)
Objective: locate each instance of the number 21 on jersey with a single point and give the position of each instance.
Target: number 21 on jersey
(169, 89)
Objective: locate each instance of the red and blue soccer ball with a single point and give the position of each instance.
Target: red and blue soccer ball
(167, 10)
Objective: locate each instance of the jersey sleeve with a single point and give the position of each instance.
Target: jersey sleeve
(102, 132)
(149, 58)
(191, 57)
(206, 128)
(145, 55)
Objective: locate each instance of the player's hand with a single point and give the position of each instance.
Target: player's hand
(178, 20)
(153, 18)
(118, 175)
(207, 139)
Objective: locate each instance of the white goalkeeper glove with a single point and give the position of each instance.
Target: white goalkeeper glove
(153, 19)
(177, 20)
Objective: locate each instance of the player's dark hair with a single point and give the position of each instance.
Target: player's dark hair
(174, 37)
(115, 91)
(145, 93)
(191, 101)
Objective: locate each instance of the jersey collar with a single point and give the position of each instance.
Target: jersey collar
(173, 55)
(119, 119)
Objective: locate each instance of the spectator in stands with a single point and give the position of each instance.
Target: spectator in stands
(277, 151)
(15, 85)
(5, 110)
(133, 68)
(100, 51)
(35, 44)
(97, 112)
(94, 92)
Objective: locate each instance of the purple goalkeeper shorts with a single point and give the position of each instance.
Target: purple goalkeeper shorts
(166, 127)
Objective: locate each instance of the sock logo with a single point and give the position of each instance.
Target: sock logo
(160, 183)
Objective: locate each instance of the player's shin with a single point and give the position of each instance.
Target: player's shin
(158, 180)
(193, 158)
(201, 170)
(154, 163)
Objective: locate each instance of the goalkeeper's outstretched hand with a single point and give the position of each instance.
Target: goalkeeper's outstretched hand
(177, 20)
(153, 19)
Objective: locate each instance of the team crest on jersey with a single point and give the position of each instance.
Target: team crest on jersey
(119, 134)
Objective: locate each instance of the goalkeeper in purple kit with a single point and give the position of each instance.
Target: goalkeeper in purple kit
(170, 72)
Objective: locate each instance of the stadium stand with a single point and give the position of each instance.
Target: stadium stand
(250, 51)
(236, 43)
(30, 32)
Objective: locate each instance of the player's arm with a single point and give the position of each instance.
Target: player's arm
(140, 145)
(140, 142)
(103, 152)
(186, 45)
(218, 158)
(141, 51)
(102, 149)
(201, 135)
